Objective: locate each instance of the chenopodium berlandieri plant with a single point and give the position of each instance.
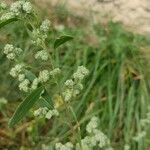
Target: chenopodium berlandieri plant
(29, 81)
(24, 11)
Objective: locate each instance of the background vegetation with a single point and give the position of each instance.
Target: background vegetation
(117, 89)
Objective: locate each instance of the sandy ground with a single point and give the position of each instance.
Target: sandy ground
(133, 13)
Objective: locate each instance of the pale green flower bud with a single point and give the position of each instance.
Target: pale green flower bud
(21, 77)
(35, 84)
(24, 85)
(11, 56)
(7, 16)
(43, 55)
(27, 7)
(69, 83)
(55, 72)
(126, 147)
(44, 76)
(45, 25)
(8, 48)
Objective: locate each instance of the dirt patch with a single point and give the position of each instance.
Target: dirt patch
(133, 13)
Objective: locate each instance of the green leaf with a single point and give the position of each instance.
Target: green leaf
(47, 101)
(25, 106)
(2, 24)
(29, 75)
(61, 40)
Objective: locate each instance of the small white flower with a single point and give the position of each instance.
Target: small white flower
(8, 48)
(21, 77)
(78, 76)
(45, 147)
(55, 72)
(126, 147)
(51, 113)
(67, 146)
(24, 85)
(43, 55)
(17, 50)
(109, 148)
(139, 136)
(27, 7)
(40, 112)
(11, 52)
(37, 112)
(101, 138)
(11, 56)
(38, 37)
(92, 125)
(58, 146)
(16, 8)
(14, 72)
(7, 16)
(44, 76)
(80, 73)
(55, 112)
(3, 100)
(45, 25)
(35, 84)
(67, 95)
(69, 83)
(60, 27)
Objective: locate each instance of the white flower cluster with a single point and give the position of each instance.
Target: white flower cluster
(45, 25)
(7, 16)
(40, 34)
(67, 146)
(92, 125)
(15, 71)
(45, 112)
(145, 122)
(24, 85)
(38, 37)
(139, 136)
(55, 72)
(11, 51)
(35, 84)
(80, 73)
(43, 55)
(41, 111)
(17, 8)
(3, 100)
(126, 147)
(44, 76)
(45, 147)
(18, 72)
(74, 86)
(52, 113)
(96, 138)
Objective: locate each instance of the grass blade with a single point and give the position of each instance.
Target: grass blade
(61, 40)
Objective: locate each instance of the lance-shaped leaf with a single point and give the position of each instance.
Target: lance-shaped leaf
(25, 106)
(47, 100)
(61, 40)
(3, 23)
